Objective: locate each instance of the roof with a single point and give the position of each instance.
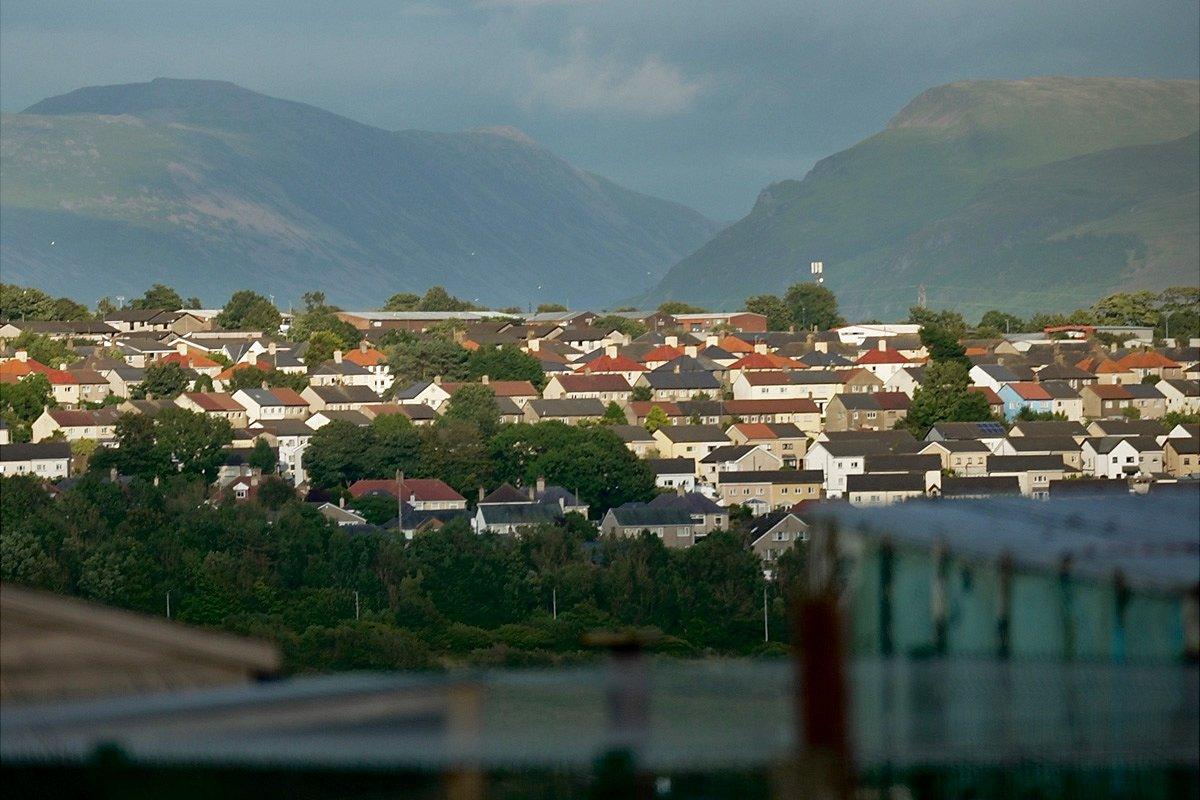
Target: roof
(773, 476)
(82, 418)
(693, 433)
(499, 388)
(422, 489)
(989, 429)
(1143, 391)
(631, 433)
(641, 514)
(368, 357)
(345, 394)
(214, 401)
(1106, 444)
(1028, 391)
(1147, 359)
(671, 466)
(505, 493)
(1108, 391)
(1061, 443)
(685, 379)
(900, 462)
(568, 407)
(1040, 463)
(797, 405)
(729, 452)
(692, 502)
(35, 452)
(617, 363)
(607, 382)
(886, 482)
(877, 356)
(1128, 427)
(974, 487)
(526, 513)
(762, 525)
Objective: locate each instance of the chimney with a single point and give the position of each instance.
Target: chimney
(362, 346)
(460, 336)
(760, 347)
(562, 504)
(481, 494)
(62, 365)
(534, 345)
(264, 384)
(679, 490)
(532, 493)
(437, 380)
(711, 341)
(254, 480)
(672, 340)
(882, 344)
(342, 501)
(541, 484)
(791, 328)
(271, 348)
(675, 369)
(821, 347)
(610, 350)
(690, 350)
(484, 379)
(337, 356)
(22, 356)
(181, 348)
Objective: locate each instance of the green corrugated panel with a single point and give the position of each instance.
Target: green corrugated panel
(1037, 617)
(1153, 629)
(912, 626)
(1093, 605)
(865, 634)
(973, 591)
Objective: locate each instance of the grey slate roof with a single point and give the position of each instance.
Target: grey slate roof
(886, 482)
(30, 452)
(641, 514)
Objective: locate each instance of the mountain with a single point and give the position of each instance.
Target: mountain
(1031, 195)
(210, 187)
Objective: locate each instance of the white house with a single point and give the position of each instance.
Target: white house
(48, 460)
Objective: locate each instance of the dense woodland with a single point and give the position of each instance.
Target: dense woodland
(277, 569)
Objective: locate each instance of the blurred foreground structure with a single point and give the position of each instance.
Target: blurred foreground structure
(1001, 649)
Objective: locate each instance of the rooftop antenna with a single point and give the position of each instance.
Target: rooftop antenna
(818, 270)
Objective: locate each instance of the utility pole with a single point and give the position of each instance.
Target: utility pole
(168, 605)
(554, 602)
(766, 619)
(400, 500)
(356, 605)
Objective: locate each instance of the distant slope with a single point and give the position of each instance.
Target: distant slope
(944, 197)
(210, 187)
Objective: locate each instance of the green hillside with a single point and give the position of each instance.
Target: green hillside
(210, 187)
(945, 195)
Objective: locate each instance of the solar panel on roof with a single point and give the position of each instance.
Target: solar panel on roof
(991, 428)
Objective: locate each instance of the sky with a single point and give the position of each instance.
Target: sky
(700, 102)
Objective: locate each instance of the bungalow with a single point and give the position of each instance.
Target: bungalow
(141, 320)
(1105, 400)
(689, 441)
(571, 412)
(773, 533)
(1122, 456)
(1025, 395)
(1182, 396)
(605, 388)
(275, 403)
(76, 424)
(1033, 473)
(514, 518)
(673, 526)
(769, 489)
(784, 440)
(1181, 457)
(673, 473)
(884, 489)
(47, 460)
(214, 404)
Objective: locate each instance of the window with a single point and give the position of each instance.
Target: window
(782, 536)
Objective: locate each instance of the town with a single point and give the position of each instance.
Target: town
(677, 422)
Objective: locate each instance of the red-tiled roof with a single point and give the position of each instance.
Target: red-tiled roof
(993, 399)
(662, 353)
(732, 344)
(766, 361)
(882, 357)
(1030, 391)
(423, 489)
(617, 363)
(1109, 391)
(755, 430)
(288, 397)
(892, 401)
(191, 359)
(28, 367)
(1147, 359)
(365, 358)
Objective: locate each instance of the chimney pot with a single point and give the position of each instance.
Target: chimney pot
(181, 348)
(264, 384)
(22, 355)
(481, 494)
(271, 348)
(690, 350)
(882, 344)
(484, 380)
(541, 484)
(437, 380)
(610, 350)
(672, 340)
(362, 346)
(337, 356)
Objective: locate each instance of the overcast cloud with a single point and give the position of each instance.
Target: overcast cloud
(701, 102)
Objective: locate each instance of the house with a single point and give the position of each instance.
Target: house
(771, 535)
(979, 487)
(47, 460)
(679, 384)
(736, 458)
(1122, 456)
(1150, 364)
(1181, 396)
(784, 439)
(990, 432)
(817, 385)
(636, 438)
(705, 514)
(1066, 447)
(1124, 427)
(1051, 427)
(960, 457)
(907, 379)
(193, 360)
(604, 387)
(930, 466)
(1147, 400)
(428, 393)
(416, 413)
(75, 424)
(513, 518)
(1033, 473)
(1025, 395)
(673, 526)
(63, 385)
(141, 320)
(92, 386)
(520, 392)
(421, 494)
(614, 364)
(881, 362)
(142, 353)
(1070, 374)
(845, 455)
(350, 397)
(322, 418)
(375, 363)
(1181, 456)
(214, 404)
(123, 379)
(1105, 400)
(291, 437)
(639, 411)
(571, 412)
(689, 441)
(765, 490)
(673, 473)
(803, 413)
(884, 489)
(994, 376)
(272, 403)
(740, 321)
(878, 411)
(342, 517)
(340, 372)
(1064, 400)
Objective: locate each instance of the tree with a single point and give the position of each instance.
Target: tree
(679, 307)
(402, 301)
(656, 419)
(547, 308)
(426, 358)
(1126, 308)
(778, 314)
(1179, 312)
(164, 380)
(812, 305)
(247, 309)
(507, 363)
(262, 457)
(1002, 322)
(397, 447)
(137, 451)
(455, 451)
(274, 492)
(158, 296)
(613, 414)
(194, 442)
(942, 343)
(624, 325)
(475, 403)
(23, 402)
(339, 454)
(320, 348)
(949, 321)
(945, 396)
(642, 393)
(251, 377)
(51, 352)
(438, 299)
(313, 301)
(22, 302)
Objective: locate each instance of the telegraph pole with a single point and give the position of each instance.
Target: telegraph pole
(400, 500)
(356, 605)
(766, 619)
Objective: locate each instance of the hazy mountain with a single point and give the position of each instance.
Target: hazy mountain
(1024, 195)
(210, 187)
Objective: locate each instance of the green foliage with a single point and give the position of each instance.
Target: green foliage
(22, 302)
(1173, 418)
(173, 441)
(679, 307)
(945, 396)
(813, 305)
(656, 419)
(164, 380)
(614, 414)
(476, 404)
(425, 358)
(1000, 322)
(22, 402)
(777, 312)
(51, 352)
(547, 308)
(942, 341)
(507, 363)
(402, 301)
(158, 296)
(641, 393)
(950, 322)
(252, 378)
(436, 298)
(624, 325)
(321, 346)
(262, 457)
(1131, 413)
(1027, 414)
(250, 311)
